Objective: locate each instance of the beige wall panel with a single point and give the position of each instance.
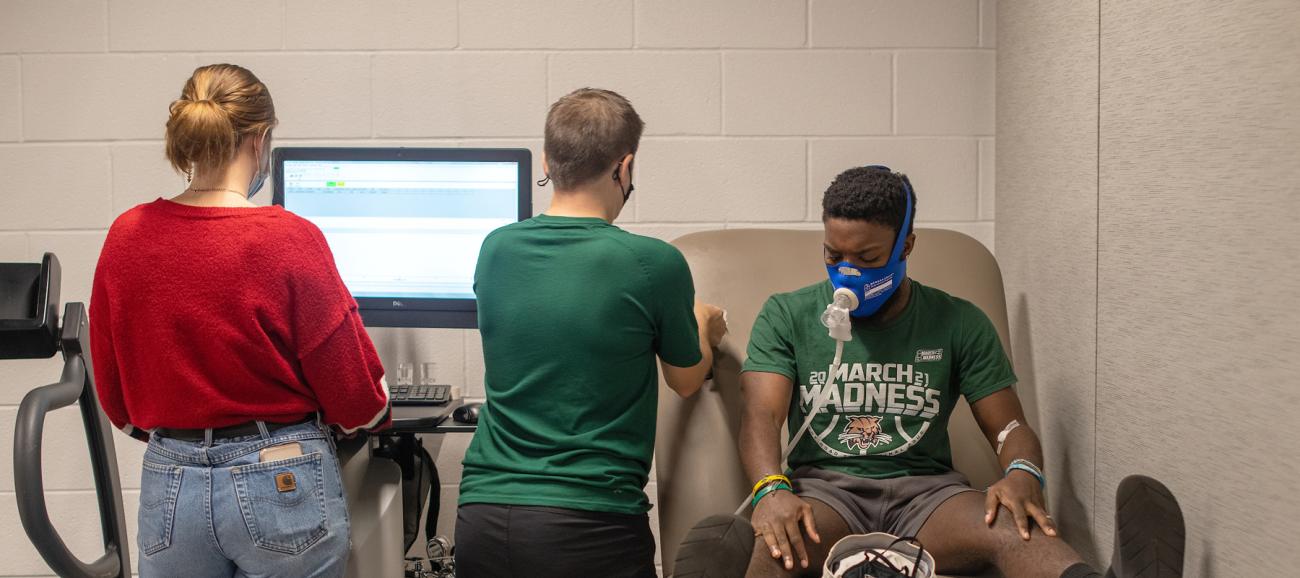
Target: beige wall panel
(1046, 235)
(1199, 272)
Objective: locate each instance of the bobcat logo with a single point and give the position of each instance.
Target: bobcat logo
(863, 433)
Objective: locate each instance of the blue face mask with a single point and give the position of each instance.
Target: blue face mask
(263, 169)
(874, 286)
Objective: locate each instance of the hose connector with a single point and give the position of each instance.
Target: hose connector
(836, 317)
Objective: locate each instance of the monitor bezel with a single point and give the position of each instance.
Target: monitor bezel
(408, 312)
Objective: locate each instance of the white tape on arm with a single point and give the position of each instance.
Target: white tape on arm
(1002, 437)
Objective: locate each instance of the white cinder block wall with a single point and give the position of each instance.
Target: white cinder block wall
(751, 107)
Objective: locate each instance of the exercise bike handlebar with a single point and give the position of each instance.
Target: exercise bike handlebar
(28, 482)
(75, 385)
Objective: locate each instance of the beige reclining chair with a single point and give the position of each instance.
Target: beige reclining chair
(697, 461)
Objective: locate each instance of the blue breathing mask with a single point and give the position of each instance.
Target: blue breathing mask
(263, 168)
(875, 285)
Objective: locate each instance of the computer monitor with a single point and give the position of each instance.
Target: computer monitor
(405, 224)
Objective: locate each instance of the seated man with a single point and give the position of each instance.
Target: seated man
(877, 456)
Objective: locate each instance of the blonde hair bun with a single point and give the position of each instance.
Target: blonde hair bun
(219, 105)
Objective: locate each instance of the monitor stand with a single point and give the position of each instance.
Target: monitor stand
(374, 491)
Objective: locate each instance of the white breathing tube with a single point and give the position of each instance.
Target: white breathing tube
(836, 318)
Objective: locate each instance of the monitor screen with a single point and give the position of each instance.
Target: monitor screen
(405, 225)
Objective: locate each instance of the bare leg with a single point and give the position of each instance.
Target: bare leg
(830, 526)
(962, 543)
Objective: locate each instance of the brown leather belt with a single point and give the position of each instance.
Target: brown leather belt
(234, 431)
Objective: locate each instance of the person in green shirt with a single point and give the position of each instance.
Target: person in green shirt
(577, 317)
(877, 456)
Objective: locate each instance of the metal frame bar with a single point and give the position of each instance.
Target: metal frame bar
(76, 385)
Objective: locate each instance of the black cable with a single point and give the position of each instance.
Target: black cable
(435, 495)
(418, 481)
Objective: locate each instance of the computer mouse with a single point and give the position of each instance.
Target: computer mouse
(467, 413)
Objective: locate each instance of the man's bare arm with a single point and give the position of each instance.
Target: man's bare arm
(767, 399)
(1019, 492)
(688, 380)
(778, 515)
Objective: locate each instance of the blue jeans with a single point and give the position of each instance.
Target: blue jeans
(212, 510)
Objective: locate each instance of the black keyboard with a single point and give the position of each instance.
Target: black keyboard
(420, 395)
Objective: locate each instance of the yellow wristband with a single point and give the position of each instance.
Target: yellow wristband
(769, 479)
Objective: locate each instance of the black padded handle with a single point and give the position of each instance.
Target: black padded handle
(75, 385)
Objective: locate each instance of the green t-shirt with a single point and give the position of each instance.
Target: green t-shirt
(573, 312)
(896, 387)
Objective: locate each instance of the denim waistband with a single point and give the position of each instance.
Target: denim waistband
(198, 453)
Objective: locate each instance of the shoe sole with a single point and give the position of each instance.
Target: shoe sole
(718, 546)
(1149, 531)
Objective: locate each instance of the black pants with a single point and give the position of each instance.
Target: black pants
(495, 541)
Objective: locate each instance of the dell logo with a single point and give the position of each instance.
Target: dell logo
(397, 303)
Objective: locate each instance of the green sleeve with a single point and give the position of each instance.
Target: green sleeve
(677, 334)
(484, 256)
(982, 365)
(771, 347)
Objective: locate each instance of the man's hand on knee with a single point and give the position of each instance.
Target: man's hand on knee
(1022, 495)
(777, 518)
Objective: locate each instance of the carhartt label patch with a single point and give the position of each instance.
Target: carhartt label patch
(285, 482)
(929, 355)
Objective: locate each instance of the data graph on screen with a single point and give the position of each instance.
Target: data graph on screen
(404, 229)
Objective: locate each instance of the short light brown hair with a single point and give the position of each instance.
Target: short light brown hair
(587, 130)
(219, 106)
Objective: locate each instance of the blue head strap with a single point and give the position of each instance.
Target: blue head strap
(897, 254)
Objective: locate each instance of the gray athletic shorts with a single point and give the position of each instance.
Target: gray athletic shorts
(899, 506)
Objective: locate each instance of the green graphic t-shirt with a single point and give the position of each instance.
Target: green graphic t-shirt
(887, 415)
(573, 312)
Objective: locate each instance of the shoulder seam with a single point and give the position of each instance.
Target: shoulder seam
(645, 267)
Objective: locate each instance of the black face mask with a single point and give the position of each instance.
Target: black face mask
(630, 187)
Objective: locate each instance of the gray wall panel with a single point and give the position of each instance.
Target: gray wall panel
(1046, 234)
(1149, 165)
(1199, 271)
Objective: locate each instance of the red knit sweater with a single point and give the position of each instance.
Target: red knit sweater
(205, 317)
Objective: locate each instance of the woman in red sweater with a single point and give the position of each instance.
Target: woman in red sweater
(222, 334)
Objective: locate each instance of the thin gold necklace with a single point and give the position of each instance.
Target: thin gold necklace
(241, 194)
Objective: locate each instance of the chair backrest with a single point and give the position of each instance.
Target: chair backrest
(697, 462)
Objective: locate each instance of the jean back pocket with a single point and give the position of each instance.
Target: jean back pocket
(283, 502)
(160, 487)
